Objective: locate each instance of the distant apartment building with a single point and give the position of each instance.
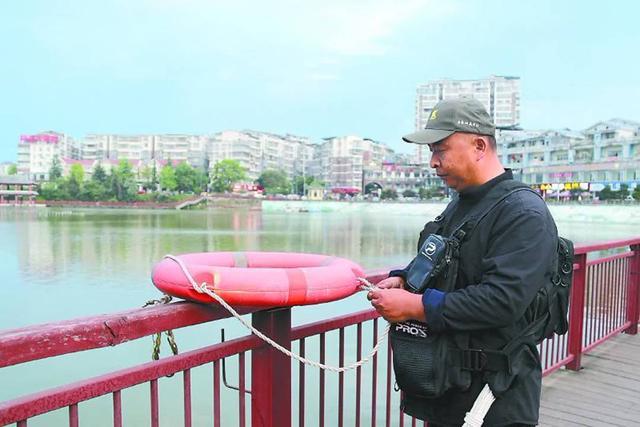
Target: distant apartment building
(95, 147)
(500, 95)
(130, 147)
(285, 152)
(182, 148)
(256, 151)
(400, 176)
(340, 161)
(607, 153)
(175, 147)
(240, 146)
(36, 153)
(260, 151)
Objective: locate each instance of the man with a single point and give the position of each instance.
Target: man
(503, 262)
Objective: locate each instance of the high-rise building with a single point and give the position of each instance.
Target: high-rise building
(340, 161)
(500, 95)
(181, 148)
(260, 151)
(36, 153)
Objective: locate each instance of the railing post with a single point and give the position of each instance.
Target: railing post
(271, 371)
(633, 291)
(576, 312)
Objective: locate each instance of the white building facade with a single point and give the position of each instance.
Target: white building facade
(37, 152)
(340, 161)
(607, 153)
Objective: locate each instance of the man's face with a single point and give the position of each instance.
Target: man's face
(454, 160)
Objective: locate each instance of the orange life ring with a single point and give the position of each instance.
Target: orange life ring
(264, 279)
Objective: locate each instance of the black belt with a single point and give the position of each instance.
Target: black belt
(480, 360)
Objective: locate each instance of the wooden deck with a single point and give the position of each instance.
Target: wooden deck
(606, 392)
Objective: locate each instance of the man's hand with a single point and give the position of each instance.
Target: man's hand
(397, 305)
(391, 282)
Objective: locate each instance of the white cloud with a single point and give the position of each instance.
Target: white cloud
(340, 30)
(362, 28)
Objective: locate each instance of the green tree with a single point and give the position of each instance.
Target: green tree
(123, 181)
(274, 182)
(55, 171)
(606, 194)
(146, 176)
(636, 193)
(149, 176)
(187, 178)
(75, 180)
(168, 178)
(201, 180)
(389, 193)
(54, 190)
(93, 190)
(13, 170)
(300, 183)
(99, 175)
(624, 191)
(226, 173)
(429, 192)
(409, 193)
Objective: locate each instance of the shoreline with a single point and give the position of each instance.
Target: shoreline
(269, 204)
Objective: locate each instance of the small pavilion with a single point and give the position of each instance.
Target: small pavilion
(17, 190)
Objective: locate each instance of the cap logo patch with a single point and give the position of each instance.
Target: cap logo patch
(468, 123)
(434, 115)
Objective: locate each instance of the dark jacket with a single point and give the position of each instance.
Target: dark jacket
(503, 263)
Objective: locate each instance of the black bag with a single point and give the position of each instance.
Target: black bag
(421, 361)
(547, 314)
(432, 259)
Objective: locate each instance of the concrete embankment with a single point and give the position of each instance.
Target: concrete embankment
(106, 204)
(625, 214)
(210, 201)
(252, 204)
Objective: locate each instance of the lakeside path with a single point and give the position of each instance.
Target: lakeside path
(606, 392)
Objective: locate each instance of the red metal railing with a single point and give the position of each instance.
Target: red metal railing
(605, 301)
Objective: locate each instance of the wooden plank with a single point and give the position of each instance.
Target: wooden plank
(606, 392)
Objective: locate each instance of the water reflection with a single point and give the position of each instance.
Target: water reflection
(54, 245)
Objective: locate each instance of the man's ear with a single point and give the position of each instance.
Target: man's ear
(481, 147)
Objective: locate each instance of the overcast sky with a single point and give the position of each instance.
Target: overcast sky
(310, 68)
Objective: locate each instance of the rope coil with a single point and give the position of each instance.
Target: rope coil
(203, 289)
(156, 339)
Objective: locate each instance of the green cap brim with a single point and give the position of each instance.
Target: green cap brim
(427, 136)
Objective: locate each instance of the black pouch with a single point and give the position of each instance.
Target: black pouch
(429, 263)
(421, 361)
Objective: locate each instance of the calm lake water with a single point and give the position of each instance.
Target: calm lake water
(67, 263)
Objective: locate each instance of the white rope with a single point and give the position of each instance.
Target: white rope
(202, 289)
(475, 417)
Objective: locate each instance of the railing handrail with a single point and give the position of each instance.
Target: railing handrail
(57, 338)
(54, 339)
(583, 248)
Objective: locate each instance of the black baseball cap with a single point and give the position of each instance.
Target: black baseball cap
(454, 115)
